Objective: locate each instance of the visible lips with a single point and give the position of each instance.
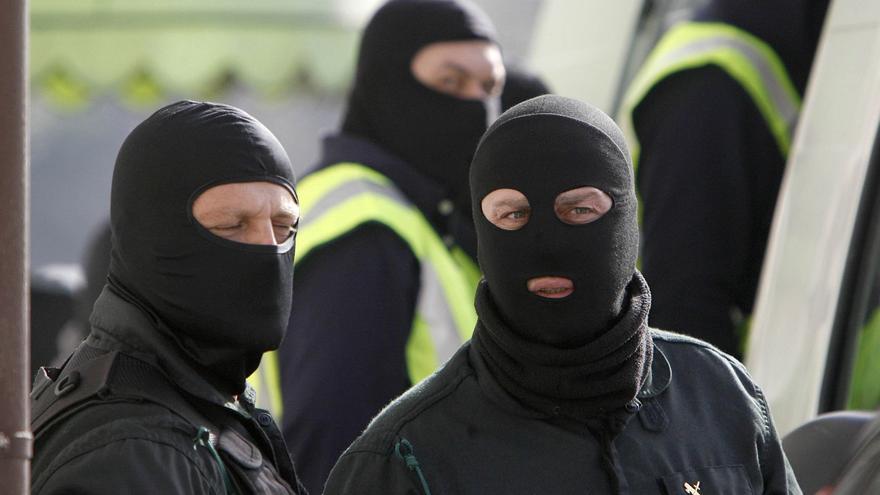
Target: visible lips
(550, 287)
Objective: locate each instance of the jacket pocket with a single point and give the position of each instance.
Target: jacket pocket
(247, 466)
(715, 480)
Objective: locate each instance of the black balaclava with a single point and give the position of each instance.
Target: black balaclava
(435, 133)
(791, 27)
(521, 85)
(588, 352)
(543, 147)
(223, 302)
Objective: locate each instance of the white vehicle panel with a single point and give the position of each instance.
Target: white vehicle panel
(816, 213)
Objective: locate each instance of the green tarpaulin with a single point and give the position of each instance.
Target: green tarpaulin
(143, 49)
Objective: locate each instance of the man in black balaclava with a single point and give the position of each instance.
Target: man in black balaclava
(711, 116)
(564, 387)
(203, 216)
(386, 265)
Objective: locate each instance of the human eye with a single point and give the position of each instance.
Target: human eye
(582, 205)
(515, 214)
(225, 230)
(450, 83)
(283, 232)
(507, 209)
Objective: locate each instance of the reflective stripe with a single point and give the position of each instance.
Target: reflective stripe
(437, 314)
(360, 195)
(266, 385)
(747, 59)
(340, 198)
(346, 191)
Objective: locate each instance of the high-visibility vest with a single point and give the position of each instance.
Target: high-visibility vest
(338, 199)
(749, 61)
(865, 385)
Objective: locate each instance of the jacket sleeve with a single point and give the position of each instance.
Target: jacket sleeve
(372, 473)
(131, 466)
(708, 177)
(779, 478)
(344, 355)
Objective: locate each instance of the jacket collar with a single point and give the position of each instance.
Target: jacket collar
(659, 377)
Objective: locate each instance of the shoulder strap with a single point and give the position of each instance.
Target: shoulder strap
(111, 376)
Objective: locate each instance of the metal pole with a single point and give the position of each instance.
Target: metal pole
(15, 436)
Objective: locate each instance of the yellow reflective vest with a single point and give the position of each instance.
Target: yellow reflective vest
(748, 60)
(338, 199)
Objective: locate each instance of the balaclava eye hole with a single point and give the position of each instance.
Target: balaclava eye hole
(507, 209)
(225, 218)
(582, 205)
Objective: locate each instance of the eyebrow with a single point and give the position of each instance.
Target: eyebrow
(575, 198)
(462, 70)
(285, 215)
(512, 202)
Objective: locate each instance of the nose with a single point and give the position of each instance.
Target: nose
(261, 232)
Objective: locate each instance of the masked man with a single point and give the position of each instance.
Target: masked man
(385, 263)
(564, 388)
(203, 216)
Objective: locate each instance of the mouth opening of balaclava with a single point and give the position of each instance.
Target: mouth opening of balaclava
(435, 133)
(223, 302)
(588, 352)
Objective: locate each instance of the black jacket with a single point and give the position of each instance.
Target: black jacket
(344, 355)
(698, 419)
(140, 432)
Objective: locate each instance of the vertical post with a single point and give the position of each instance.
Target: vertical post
(15, 436)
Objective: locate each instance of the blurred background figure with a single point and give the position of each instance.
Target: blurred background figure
(54, 293)
(62, 297)
(711, 115)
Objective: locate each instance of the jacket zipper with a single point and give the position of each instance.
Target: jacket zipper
(404, 450)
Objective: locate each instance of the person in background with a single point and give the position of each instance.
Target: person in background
(710, 117)
(203, 218)
(564, 388)
(96, 263)
(385, 263)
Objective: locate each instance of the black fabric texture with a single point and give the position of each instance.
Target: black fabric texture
(433, 132)
(224, 303)
(579, 382)
(544, 147)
